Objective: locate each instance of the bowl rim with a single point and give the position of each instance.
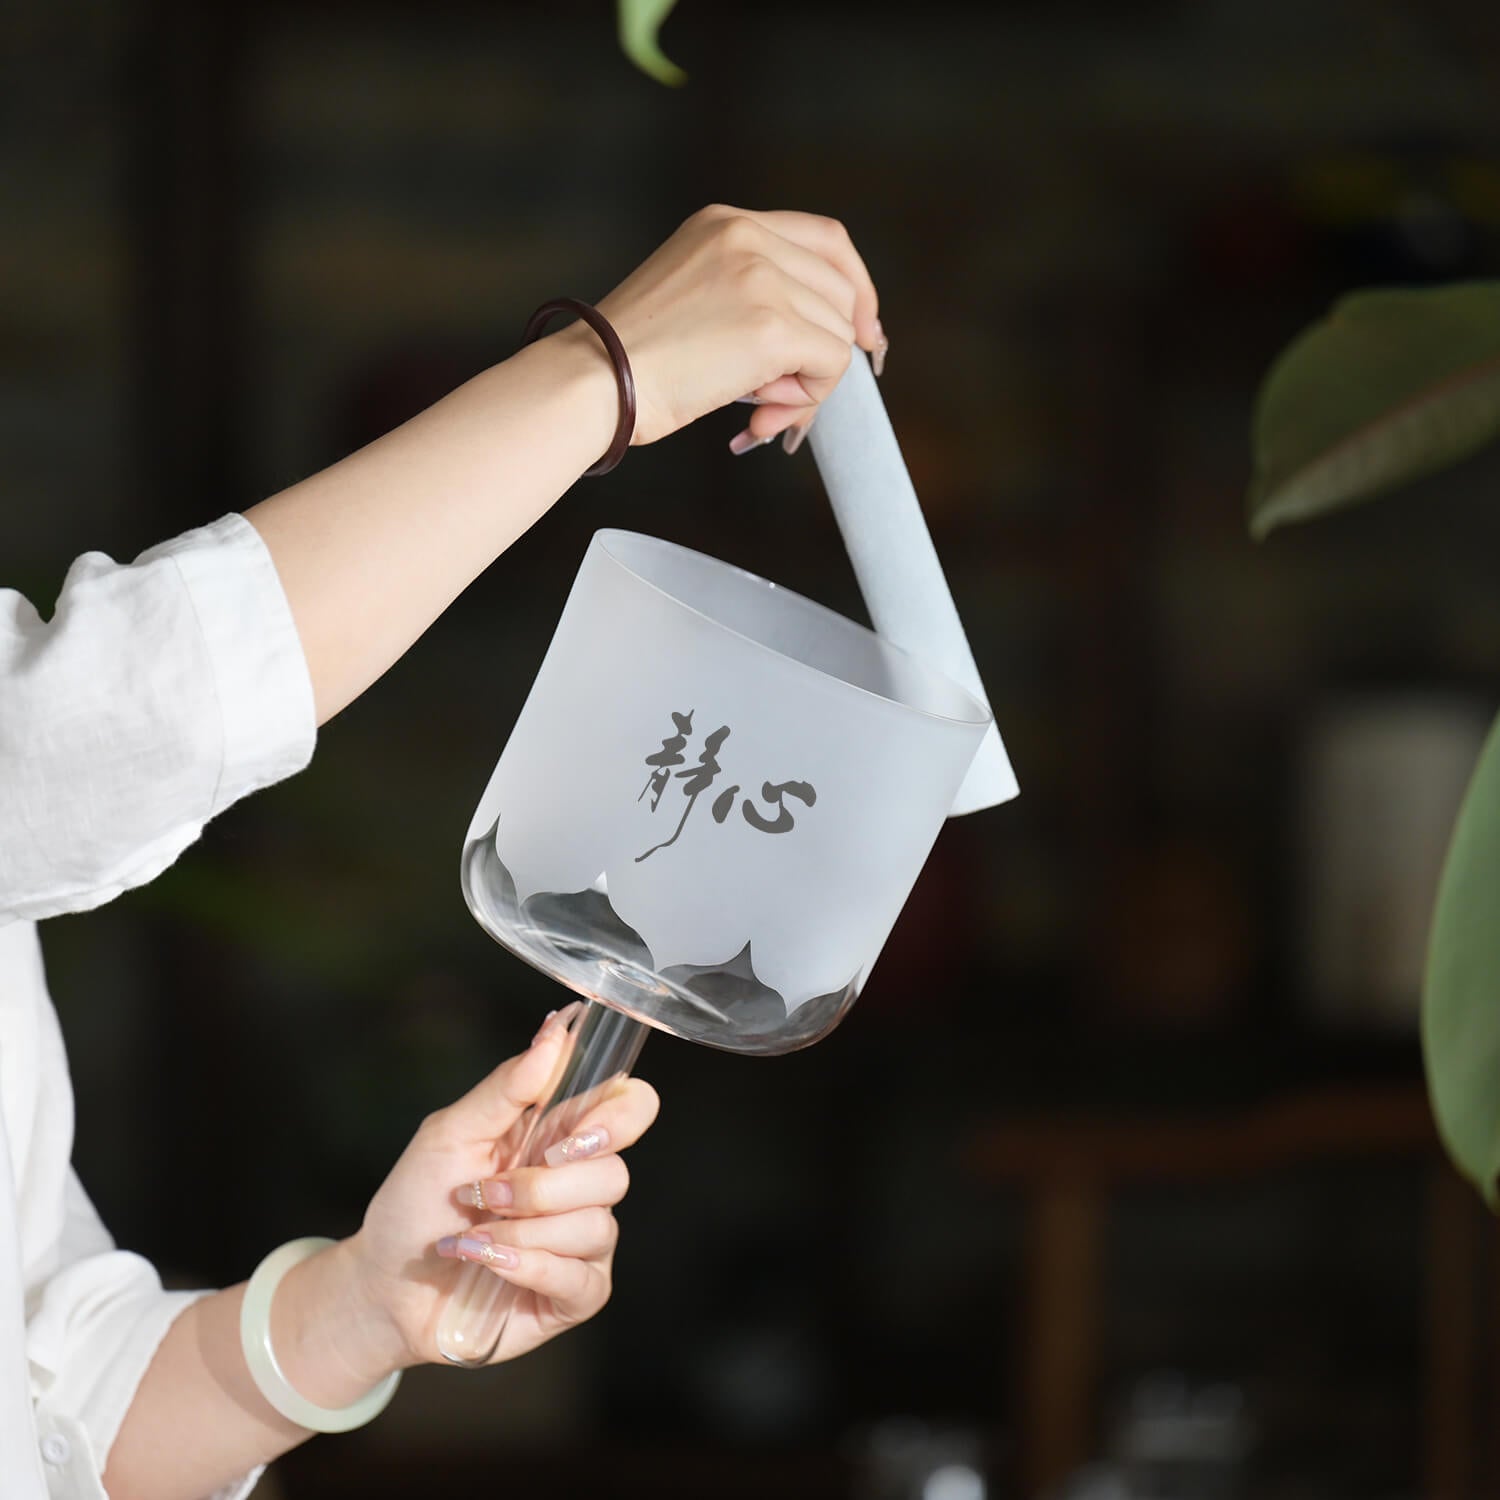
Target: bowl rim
(978, 716)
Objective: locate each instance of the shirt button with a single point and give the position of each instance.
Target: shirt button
(56, 1449)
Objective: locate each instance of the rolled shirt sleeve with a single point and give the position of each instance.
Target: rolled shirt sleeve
(159, 693)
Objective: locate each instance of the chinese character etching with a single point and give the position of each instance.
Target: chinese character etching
(783, 821)
(669, 755)
(697, 779)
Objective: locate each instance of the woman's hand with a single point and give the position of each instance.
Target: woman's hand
(373, 549)
(743, 304)
(558, 1228)
(343, 1319)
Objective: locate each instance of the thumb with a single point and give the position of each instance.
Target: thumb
(496, 1102)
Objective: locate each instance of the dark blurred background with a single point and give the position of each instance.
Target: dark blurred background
(1120, 1180)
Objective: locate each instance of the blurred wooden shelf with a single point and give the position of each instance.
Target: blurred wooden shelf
(1332, 1121)
(1070, 1168)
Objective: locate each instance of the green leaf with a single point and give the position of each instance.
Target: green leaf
(1461, 1003)
(640, 20)
(1391, 385)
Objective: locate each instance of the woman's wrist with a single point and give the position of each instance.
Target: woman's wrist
(333, 1339)
(573, 366)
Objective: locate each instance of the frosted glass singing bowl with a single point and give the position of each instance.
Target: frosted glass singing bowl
(707, 818)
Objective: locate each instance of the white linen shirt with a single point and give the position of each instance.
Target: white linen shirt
(157, 694)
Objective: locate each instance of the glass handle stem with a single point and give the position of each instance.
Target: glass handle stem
(602, 1046)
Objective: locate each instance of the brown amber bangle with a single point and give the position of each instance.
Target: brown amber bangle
(625, 430)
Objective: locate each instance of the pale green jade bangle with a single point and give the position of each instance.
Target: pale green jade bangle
(255, 1340)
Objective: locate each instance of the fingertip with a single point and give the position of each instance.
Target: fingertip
(528, 1073)
(635, 1099)
(556, 1025)
(866, 299)
(748, 440)
(650, 1111)
(651, 1098)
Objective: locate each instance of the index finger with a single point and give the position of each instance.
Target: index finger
(496, 1102)
(611, 1123)
(828, 238)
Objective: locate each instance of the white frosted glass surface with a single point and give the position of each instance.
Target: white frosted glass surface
(900, 576)
(870, 746)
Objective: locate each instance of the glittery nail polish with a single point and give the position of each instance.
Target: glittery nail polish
(578, 1147)
(485, 1252)
(746, 441)
(449, 1245)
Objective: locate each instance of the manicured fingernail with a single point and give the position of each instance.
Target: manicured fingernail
(481, 1249)
(791, 439)
(487, 1197)
(557, 1023)
(882, 348)
(578, 1147)
(448, 1245)
(749, 400)
(746, 441)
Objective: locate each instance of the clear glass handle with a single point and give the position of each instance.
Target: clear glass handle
(602, 1047)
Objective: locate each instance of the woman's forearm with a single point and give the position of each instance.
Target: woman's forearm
(198, 1421)
(735, 303)
(345, 1318)
(371, 550)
